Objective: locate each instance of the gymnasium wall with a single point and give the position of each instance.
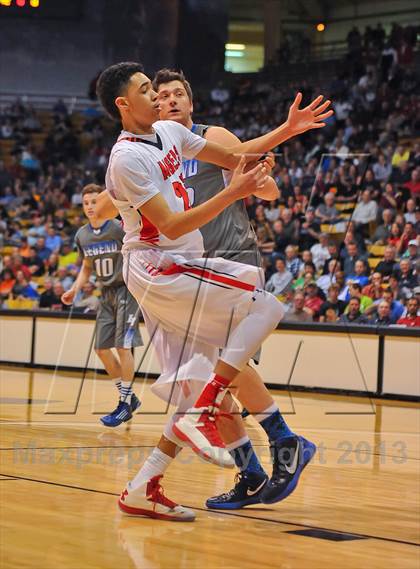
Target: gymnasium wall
(358, 359)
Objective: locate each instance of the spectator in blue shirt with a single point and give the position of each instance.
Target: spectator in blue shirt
(53, 241)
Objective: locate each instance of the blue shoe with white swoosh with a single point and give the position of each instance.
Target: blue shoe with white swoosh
(247, 491)
(121, 414)
(290, 455)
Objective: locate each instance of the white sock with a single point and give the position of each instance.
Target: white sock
(126, 391)
(155, 464)
(266, 413)
(118, 384)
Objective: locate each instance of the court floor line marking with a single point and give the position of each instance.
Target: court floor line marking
(224, 513)
(153, 446)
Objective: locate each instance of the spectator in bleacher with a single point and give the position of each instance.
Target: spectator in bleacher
(355, 290)
(299, 313)
(397, 309)
(406, 278)
(51, 264)
(309, 230)
(63, 276)
(353, 315)
(87, 301)
(383, 315)
(327, 212)
(293, 263)
(410, 211)
(23, 288)
(382, 169)
(320, 252)
(281, 280)
(313, 299)
(280, 240)
(16, 265)
(374, 288)
(272, 211)
(47, 297)
(359, 274)
(42, 250)
(391, 198)
(386, 266)
(7, 282)
(325, 281)
(35, 263)
(350, 255)
(332, 303)
(290, 226)
(68, 257)
(265, 241)
(61, 222)
(382, 232)
(401, 154)
(53, 241)
(414, 184)
(411, 252)
(36, 230)
(365, 212)
(412, 318)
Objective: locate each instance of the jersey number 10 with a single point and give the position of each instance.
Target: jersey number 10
(104, 267)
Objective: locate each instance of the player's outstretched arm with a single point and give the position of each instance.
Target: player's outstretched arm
(226, 139)
(105, 209)
(175, 224)
(82, 279)
(298, 122)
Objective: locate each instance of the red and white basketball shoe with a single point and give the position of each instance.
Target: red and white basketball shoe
(154, 504)
(198, 429)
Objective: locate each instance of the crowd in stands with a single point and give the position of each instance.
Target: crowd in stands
(340, 245)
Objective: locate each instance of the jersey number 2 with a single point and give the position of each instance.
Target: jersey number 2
(181, 191)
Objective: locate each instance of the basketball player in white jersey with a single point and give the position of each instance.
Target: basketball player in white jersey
(191, 304)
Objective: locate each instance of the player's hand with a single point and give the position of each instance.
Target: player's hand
(312, 116)
(68, 296)
(244, 183)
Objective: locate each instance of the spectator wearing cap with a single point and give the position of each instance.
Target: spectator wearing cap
(386, 266)
(332, 303)
(411, 319)
(411, 252)
(320, 252)
(353, 314)
(383, 314)
(299, 312)
(313, 300)
(281, 280)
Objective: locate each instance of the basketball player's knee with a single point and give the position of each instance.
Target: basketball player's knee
(102, 351)
(267, 304)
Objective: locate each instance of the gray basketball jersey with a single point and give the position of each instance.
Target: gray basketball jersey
(103, 247)
(230, 234)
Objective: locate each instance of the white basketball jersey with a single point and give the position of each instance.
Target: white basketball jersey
(139, 168)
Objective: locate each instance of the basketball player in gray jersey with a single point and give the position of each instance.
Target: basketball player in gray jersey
(117, 324)
(230, 236)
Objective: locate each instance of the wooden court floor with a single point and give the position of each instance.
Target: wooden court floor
(357, 505)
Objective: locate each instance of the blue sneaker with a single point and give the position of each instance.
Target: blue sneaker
(290, 456)
(245, 413)
(247, 491)
(121, 414)
(135, 402)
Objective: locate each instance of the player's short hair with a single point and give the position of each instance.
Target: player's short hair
(112, 83)
(168, 75)
(91, 189)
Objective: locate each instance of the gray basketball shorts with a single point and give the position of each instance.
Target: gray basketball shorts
(117, 321)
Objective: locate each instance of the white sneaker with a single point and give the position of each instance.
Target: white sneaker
(154, 504)
(198, 429)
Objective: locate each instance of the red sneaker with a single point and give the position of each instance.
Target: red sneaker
(154, 504)
(198, 429)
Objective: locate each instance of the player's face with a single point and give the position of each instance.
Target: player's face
(174, 102)
(89, 205)
(140, 102)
